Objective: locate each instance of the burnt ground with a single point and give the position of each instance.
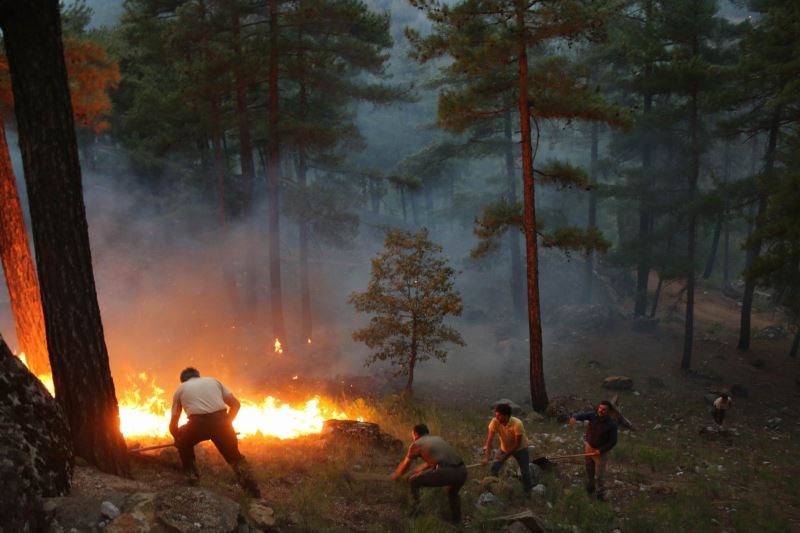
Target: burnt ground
(666, 476)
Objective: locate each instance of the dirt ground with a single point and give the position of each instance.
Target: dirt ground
(666, 476)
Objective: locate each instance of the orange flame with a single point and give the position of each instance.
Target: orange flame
(278, 347)
(144, 412)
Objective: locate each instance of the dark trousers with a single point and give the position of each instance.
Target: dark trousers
(218, 429)
(523, 460)
(451, 477)
(719, 415)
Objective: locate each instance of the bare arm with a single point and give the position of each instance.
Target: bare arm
(488, 447)
(401, 468)
(233, 406)
(173, 424)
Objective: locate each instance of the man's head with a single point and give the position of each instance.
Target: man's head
(603, 408)
(420, 430)
(188, 373)
(502, 412)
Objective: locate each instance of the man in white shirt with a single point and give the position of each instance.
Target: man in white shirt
(211, 409)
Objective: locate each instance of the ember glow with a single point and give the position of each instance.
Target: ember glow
(278, 347)
(144, 412)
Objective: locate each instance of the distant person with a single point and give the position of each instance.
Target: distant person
(442, 467)
(211, 409)
(513, 443)
(721, 405)
(600, 438)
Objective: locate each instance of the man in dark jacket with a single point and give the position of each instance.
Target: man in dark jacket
(600, 438)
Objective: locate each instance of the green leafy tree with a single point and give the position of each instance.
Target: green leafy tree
(410, 293)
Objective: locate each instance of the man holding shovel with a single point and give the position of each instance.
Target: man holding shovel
(600, 438)
(442, 467)
(513, 443)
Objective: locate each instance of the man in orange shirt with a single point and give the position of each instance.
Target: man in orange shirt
(513, 443)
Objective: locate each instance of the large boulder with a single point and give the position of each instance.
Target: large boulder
(618, 383)
(36, 458)
(563, 407)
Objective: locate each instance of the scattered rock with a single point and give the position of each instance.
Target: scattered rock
(772, 333)
(183, 507)
(35, 449)
(109, 510)
(734, 291)
(774, 423)
(539, 490)
(618, 383)
(262, 516)
(739, 391)
(489, 483)
(487, 498)
(353, 431)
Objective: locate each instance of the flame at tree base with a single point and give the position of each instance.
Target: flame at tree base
(147, 414)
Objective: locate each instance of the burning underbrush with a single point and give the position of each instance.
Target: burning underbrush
(289, 411)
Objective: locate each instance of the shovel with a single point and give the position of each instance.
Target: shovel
(547, 462)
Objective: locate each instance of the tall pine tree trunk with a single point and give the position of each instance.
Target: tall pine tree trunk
(517, 296)
(538, 390)
(712, 255)
(23, 287)
(755, 247)
(276, 298)
(592, 218)
(78, 354)
(305, 292)
(694, 174)
(248, 169)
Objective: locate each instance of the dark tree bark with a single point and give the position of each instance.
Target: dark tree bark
(276, 296)
(538, 390)
(643, 260)
(517, 296)
(795, 344)
(712, 255)
(694, 174)
(78, 354)
(754, 249)
(248, 169)
(23, 287)
(592, 219)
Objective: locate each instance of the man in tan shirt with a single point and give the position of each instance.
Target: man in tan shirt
(211, 409)
(513, 443)
(441, 467)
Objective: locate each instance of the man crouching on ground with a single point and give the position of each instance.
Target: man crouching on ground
(207, 402)
(443, 467)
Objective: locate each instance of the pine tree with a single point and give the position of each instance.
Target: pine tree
(545, 88)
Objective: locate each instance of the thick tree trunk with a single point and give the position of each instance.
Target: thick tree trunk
(591, 223)
(517, 296)
(248, 169)
(276, 297)
(538, 390)
(712, 255)
(23, 287)
(754, 249)
(694, 173)
(219, 162)
(78, 354)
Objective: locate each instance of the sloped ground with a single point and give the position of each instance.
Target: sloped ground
(666, 476)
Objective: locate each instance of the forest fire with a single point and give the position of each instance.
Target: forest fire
(144, 412)
(278, 347)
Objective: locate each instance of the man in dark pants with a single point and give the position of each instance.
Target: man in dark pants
(211, 409)
(513, 443)
(442, 467)
(600, 438)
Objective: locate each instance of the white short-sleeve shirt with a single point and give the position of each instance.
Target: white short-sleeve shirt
(200, 396)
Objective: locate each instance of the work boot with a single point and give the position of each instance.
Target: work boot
(192, 475)
(244, 475)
